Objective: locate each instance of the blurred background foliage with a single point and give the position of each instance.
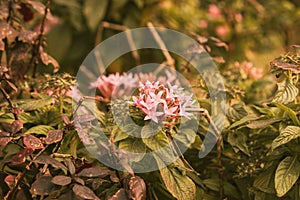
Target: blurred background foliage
(255, 30)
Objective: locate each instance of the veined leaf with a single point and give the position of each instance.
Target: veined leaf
(29, 104)
(157, 141)
(239, 141)
(286, 175)
(265, 181)
(263, 123)
(186, 136)
(290, 113)
(134, 145)
(161, 148)
(181, 187)
(229, 190)
(40, 130)
(84, 192)
(286, 92)
(286, 135)
(237, 111)
(244, 120)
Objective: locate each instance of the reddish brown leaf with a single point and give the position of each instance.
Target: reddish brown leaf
(84, 192)
(6, 31)
(219, 59)
(96, 183)
(3, 11)
(65, 119)
(47, 59)
(79, 180)
(32, 142)
(135, 188)
(120, 195)
(70, 166)
(20, 157)
(43, 186)
(42, 159)
(27, 36)
(286, 66)
(54, 136)
(95, 172)
(13, 86)
(61, 180)
(16, 126)
(80, 164)
(10, 180)
(219, 43)
(4, 138)
(16, 110)
(113, 177)
(26, 12)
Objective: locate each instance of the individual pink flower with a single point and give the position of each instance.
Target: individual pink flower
(214, 12)
(222, 30)
(203, 24)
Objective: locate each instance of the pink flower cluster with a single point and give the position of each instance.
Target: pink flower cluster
(120, 85)
(252, 72)
(115, 84)
(157, 101)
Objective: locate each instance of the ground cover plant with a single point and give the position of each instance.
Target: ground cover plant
(50, 144)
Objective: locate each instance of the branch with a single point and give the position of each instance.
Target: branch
(118, 27)
(21, 175)
(159, 41)
(7, 98)
(205, 113)
(36, 49)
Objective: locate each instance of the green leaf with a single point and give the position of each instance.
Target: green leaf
(238, 140)
(244, 120)
(290, 113)
(94, 11)
(286, 135)
(186, 136)
(265, 181)
(134, 145)
(181, 187)
(229, 190)
(7, 118)
(157, 141)
(263, 123)
(161, 148)
(286, 175)
(237, 111)
(120, 135)
(286, 92)
(40, 130)
(29, 104)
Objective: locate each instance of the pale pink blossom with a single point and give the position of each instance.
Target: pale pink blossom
(222, 30)
(214, 12)
(115, 84)
(252, 72)
(162, 103)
